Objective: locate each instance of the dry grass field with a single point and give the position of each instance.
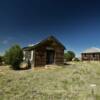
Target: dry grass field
(68, 82)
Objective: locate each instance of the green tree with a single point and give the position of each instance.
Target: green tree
(69, 55)
(1, 60)
(14, 56)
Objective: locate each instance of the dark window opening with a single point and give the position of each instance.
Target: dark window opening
(84, 54)
(93, 55)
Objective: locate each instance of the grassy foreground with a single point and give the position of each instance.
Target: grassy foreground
(70, 82)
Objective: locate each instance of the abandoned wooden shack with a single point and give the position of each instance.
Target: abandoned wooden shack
(47, 51)
(91, 54)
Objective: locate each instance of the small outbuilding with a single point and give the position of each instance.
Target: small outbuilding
(47, 51)
(91, 54)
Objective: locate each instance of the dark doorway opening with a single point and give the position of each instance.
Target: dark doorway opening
(50, 56)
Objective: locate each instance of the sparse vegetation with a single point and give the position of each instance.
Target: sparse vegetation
(14, 56)
(70, 82)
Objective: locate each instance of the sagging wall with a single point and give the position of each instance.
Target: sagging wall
(59, 55)
(40, 55)
(28, 55)
(90, 56)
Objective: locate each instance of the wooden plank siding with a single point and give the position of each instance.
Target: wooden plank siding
(40, 55)
(91, 56)
(59, 56)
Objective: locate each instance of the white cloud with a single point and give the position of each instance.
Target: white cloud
(5, 42)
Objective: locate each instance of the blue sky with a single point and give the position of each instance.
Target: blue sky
(76, 23)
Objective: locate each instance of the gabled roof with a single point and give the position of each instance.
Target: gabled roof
(43, 41)
(92, 50)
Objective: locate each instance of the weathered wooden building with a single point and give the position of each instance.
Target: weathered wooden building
(47, 51)
(91, 54)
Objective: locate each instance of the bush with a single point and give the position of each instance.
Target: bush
(14, 56)
(69, 55)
